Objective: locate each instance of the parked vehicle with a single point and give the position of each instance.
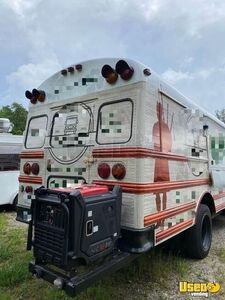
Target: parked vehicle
(115, 162)
(10, 148)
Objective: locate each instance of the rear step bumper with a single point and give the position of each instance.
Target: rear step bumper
(74, 285)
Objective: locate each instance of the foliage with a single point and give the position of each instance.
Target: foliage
(17, 115)
(221, 115)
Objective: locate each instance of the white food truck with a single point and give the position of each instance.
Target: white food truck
(115, 161)
(10, 148)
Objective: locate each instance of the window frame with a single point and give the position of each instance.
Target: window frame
(35, 117)
(131, 125)
(53, 122)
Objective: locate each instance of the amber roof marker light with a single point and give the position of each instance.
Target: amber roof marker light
(39, 94)
(35, 95)
(125, 71)
(109, 74)
(147, 72)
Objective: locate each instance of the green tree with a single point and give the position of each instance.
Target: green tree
(221, 115)
(17, 115)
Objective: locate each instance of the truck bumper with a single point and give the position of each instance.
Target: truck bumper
(74, 285)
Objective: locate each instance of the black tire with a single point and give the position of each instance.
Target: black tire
(197, 240)
(15, 202)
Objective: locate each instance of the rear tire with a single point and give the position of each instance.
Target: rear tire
(15, 202)
(197, 240)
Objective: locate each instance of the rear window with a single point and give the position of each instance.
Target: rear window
(36, 132)
(71, 126)
(115, 122)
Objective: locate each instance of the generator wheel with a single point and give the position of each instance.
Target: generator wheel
(197, 240)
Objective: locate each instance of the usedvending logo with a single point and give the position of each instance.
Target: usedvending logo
(199, 289)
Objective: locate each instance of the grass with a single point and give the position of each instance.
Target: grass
(221, 254)
(154, 268)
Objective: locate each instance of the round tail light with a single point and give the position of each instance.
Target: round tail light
(125, 71)
(104, 170)
(119, 171)
(28, 189)
(27, 168)
(35, 168)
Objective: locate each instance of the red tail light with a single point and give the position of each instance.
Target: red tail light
(119, 171)
(27, 168)
(104, 170)
(125, 71)
(109, 74)
(35, 168)
(28, 189)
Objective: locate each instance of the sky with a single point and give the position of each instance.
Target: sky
(183, 41)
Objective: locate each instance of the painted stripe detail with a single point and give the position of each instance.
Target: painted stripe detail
(140, 188)
(220, 207)
(173, 229)
(136, 152)
(32, 154)
(28, 179)
(167, 213)
(218, 196)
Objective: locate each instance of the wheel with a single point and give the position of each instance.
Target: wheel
(197, 240)
(15, 202)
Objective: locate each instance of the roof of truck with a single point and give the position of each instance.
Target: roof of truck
(60, 87)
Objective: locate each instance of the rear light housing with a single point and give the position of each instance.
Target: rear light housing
(104, 170)
(119, 171)
(78, 67)
(35, 168)
(35, 95)
(28, 189)
(125, 71)
(64, 72)
(71, 69)
(147, 72)
(109, 74)
(27, 168)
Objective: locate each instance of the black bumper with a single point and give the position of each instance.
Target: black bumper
(74, 285)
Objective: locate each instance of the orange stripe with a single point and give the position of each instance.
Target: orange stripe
(136, 152)
(28, 179)
(172, 230)
(167, 213)
(139, 188)
(220, 207)
(32, 154)
(218, 196)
